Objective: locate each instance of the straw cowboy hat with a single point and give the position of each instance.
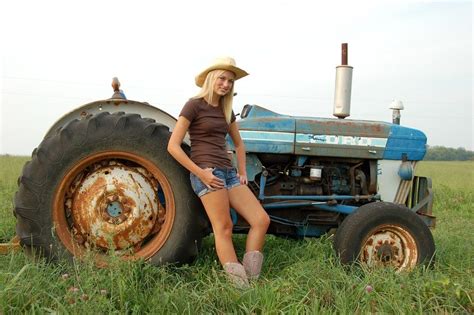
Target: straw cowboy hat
(221, 63)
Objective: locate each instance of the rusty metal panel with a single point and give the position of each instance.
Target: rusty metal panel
(342, 127)
(341, 138)
(338, 151)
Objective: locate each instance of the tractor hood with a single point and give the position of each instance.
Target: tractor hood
(264, 131)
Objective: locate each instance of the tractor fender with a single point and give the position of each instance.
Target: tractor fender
(116, 105)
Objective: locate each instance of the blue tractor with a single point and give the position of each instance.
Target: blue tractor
(102, 180)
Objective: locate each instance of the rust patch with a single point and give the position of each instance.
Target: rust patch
(370, 241)
(64, 217)
(390, 245)
(98, 226)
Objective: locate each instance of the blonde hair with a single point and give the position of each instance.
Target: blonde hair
(207, 92)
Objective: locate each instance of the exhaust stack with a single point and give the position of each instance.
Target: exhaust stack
(396, 106)
(342, 95)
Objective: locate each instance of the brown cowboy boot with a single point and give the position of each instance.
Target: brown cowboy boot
(236, 273)
(253, 264)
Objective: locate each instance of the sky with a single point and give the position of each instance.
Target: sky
(59, 55)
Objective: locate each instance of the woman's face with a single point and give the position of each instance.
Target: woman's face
(224, 83)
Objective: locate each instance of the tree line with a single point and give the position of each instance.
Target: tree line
(440, 153)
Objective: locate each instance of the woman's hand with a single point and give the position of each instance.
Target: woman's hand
(211, 181)
(243, 179)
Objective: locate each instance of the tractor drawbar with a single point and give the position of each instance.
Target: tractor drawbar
(13, 245)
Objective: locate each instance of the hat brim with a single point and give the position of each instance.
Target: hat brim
(239, 73)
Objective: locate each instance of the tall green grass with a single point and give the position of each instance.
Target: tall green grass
(453, 184)
(449, 176)
(298, 277)
(10, 168)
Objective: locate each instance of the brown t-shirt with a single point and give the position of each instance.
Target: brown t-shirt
(207, 132)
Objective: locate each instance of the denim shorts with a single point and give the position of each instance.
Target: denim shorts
(228, 176)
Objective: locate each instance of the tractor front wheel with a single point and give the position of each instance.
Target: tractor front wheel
(382, 234)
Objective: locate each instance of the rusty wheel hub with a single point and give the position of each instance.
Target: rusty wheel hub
(390, 245)
(114, 206)
(114, 200)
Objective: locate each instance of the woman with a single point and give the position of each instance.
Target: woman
(209, 117)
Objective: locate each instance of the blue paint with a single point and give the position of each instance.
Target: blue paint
(337, 208)
(256, 111)
(282, 205)
(161, 197)
(266, 131)
(318, 205)
(253, 166)
(302, 228)
(313, 197)
(277, 123)
(301, 160)
(296, 172)
(284, 221)
(405, 141)
(311, 138)
(265, 141)
(340, 186)
(233, 216)
(114, 209)
(406, 171)
(261, 193)
(268, 136)
(310, 231)
(272, 147)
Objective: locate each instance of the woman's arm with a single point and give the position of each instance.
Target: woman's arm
(174, 148)
(240, 152)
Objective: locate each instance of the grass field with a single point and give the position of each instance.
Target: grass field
(298, 276)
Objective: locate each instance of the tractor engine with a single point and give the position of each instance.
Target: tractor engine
(299, 176)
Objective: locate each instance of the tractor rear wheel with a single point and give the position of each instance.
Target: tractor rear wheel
(107, 183)
(382, 234)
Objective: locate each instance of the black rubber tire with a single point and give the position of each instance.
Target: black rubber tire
(357, 227)
(78, 139)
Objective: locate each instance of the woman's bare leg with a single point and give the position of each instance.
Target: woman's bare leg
(245, 203)
(217, 208)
